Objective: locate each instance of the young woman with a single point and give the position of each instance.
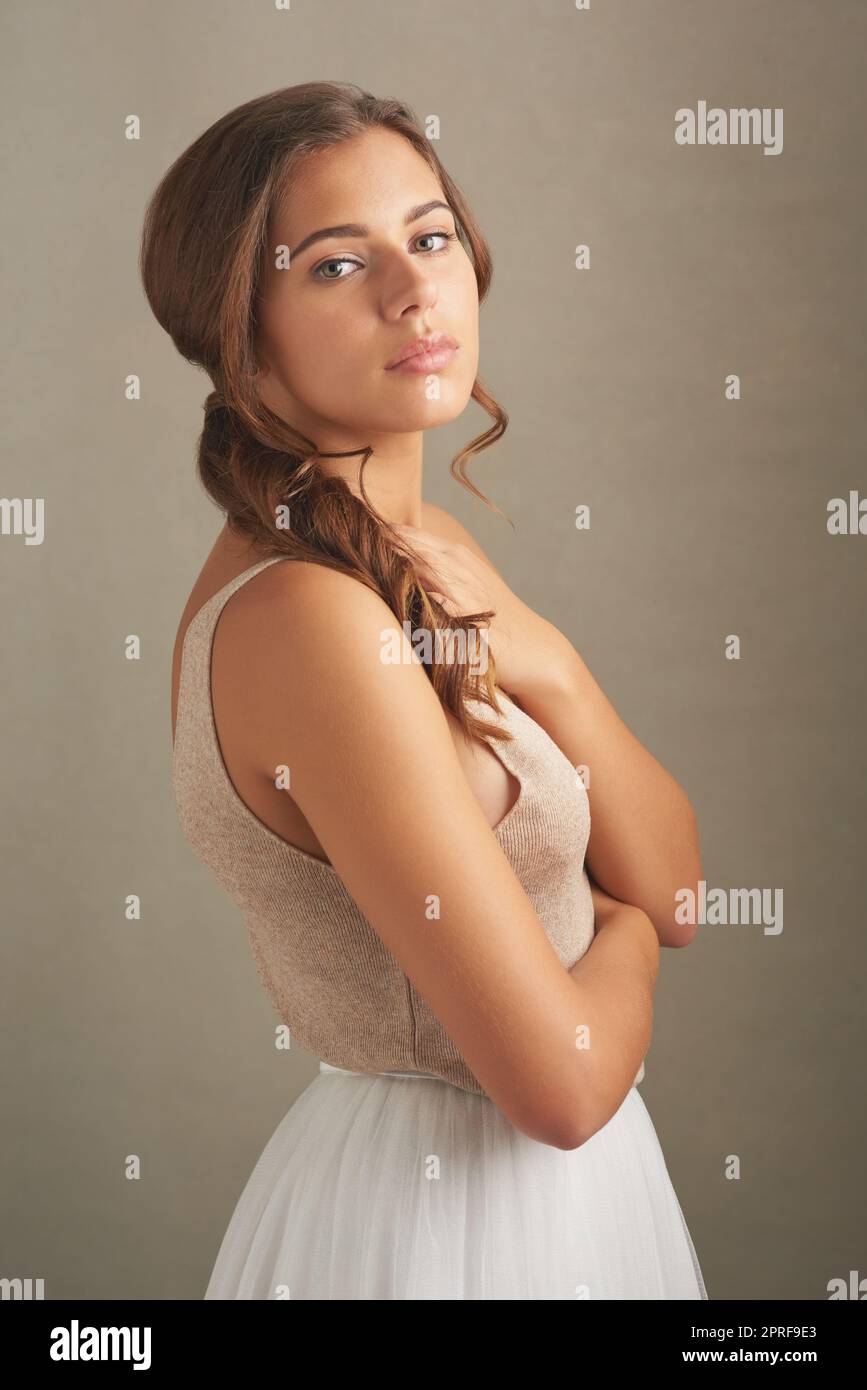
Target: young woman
(375, 751)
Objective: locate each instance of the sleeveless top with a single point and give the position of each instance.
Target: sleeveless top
(332, 981)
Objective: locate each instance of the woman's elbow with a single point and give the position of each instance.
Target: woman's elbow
(679, 921)
(680, 934)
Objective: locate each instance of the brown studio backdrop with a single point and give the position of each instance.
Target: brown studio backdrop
(708, 518)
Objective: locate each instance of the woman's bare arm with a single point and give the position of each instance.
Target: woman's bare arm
(374, 770)
(617, 977)
(644, 842)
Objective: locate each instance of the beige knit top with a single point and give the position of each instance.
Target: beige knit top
(332, 981)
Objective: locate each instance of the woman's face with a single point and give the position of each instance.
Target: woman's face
(331, 322)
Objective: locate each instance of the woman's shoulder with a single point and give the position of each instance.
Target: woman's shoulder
(294, 602)
(296, 623)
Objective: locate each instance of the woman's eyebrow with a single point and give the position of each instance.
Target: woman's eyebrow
(357, 229)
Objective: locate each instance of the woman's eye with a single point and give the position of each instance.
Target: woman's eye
(447, 236)
(317, 272)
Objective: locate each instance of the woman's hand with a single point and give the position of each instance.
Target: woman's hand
(530, 653)
(608, 911)
(603, 903)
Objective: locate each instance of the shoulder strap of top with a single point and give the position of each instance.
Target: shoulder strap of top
(195, 675)
(207, 615)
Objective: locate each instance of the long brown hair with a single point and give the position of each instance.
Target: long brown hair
(202, 260)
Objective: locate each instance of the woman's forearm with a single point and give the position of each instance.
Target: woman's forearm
(644, 842)
(616, 979)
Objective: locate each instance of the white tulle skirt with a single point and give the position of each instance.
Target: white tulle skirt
(394, 1185)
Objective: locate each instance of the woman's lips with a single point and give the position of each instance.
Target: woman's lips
(432, 361)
